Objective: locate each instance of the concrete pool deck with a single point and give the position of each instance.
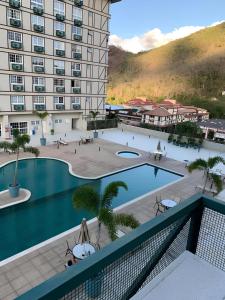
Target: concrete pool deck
(29, 270)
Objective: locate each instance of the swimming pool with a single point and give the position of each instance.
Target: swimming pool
(128, 154)
(50, 211)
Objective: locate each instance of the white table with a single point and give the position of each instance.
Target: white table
(168, 203)
(82, 251)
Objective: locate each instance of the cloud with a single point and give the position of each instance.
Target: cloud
(154, 38)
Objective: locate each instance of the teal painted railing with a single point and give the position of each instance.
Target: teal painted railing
(120, 269)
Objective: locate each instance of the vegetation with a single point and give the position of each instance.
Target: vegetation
(19, 142)
(188, 129)
(41, 116)
(94, 115)
(190, 70)
(206, 166)
(86, 197)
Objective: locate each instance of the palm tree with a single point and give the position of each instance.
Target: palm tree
(86, 197)
(94, 115)
(42, 116)
(207, 165)
(20, 141)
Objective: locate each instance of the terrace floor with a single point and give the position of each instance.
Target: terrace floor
(27, 271)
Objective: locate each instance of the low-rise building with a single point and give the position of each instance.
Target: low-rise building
(213, 129)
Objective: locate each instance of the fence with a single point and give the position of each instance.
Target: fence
(102, 124)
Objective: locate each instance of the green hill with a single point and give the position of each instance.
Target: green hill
(191, 69)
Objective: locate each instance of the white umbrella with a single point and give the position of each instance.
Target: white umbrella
(84, 234)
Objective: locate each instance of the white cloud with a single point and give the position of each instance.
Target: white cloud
(154, 38)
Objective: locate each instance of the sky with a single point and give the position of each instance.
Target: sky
(138, 25)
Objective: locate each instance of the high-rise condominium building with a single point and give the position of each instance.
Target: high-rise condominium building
(54, 57)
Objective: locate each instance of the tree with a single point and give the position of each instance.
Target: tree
(94, 116)
(86, 197)
(206, 166)
(42, 116)
(20, 141)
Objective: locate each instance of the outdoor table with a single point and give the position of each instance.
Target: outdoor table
(168, 203)
(82, 251)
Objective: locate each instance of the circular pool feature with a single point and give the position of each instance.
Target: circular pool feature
(128, 154)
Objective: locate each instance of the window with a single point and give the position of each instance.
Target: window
(38, 99)
(37, 3)
(22, 126)
(58, 121)
(38, 81)
(33, 123)
(77, 13)
(38, 61)
(37, 41)
(14, 14)
(17, 100)
(59, 7)
(75, 100)
(15, 79)
(59, 45)
(59, 26)
(58, 100)
(75, 83)
(89, 70)
(77, 30)
(90, 54)
(76, 48)
(89, 87)
(76, 67)
(37, 20)
(90, 18)
(90, 37)
(16, 58)
(59, 82)
(59, 64)
(14, 36)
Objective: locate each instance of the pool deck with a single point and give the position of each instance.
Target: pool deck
(90, 160)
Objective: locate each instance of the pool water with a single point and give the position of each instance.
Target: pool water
(128, 154)
(50, 211)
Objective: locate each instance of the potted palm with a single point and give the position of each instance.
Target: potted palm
(20, 141)
(86, 197)
(94, 116)
(206, 166)
(42, 116)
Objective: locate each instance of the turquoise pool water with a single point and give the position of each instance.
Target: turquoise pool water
(128, 154)
(50, 211)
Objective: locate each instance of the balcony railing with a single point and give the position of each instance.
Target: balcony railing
(78, 3)
(76, 106)
(60, 71)
(39, 49)
(15, 22)
(18, 87)
(77, 55)
(16, 45)
(14, 4)
(38, 28)
(39, 107)
(76, 73)
(60, 89)
(38, 11)
(60, 17)
(76, 90)
(39, 69)
(77, 37)
(17, 67)
(60, 33)
(128, 264)
(60, 52)
(39, 88)
(18, 107)
(77, 22)
(60, 106)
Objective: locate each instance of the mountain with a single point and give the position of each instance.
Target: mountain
(192, 67)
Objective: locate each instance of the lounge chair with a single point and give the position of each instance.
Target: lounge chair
(63, 143)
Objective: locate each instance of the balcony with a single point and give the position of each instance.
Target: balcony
(39, 88)
(77, 22)
(77, 37)
(78, 3)
(60, 52)
(76, 90)
(60, 17)
(76, 106)
(18, 87)
(60, 71)
(38, 28)
(76, 73)
(15, 22)
(39, 69)
(144, 264)
(16, 45)
(38, 11)
(14, 4)
(60, 33)
(39, 107)
(60, 106)
(18, 107)
(39, 49)
(17, 67)
(60, 89)
(77, 55)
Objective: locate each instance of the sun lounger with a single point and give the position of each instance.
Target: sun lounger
(63, 142)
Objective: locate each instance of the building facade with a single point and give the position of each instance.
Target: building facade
(54, 57)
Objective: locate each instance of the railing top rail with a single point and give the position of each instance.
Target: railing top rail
(64, 282)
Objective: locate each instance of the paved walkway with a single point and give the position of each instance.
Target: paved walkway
(92, 160)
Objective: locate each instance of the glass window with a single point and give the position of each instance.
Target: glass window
(14, 36)
(16, 58)
(37, 20)
(17, 99)
(59, 7)
(76, 67)
(37, 3)
(14, 14)
(59, 64)
(75, 100)
(37, 41)
(77, 13)
(58, 100)
(59, 45)
(76, 48)
(77, 83)
(39, 99)
(60, 26)
(77, 30)
(59, 82)
(14, 79)
(38, 81)
(38, 61)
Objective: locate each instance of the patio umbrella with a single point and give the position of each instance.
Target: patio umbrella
(156, 171)
(84, 234)
(159, 147)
